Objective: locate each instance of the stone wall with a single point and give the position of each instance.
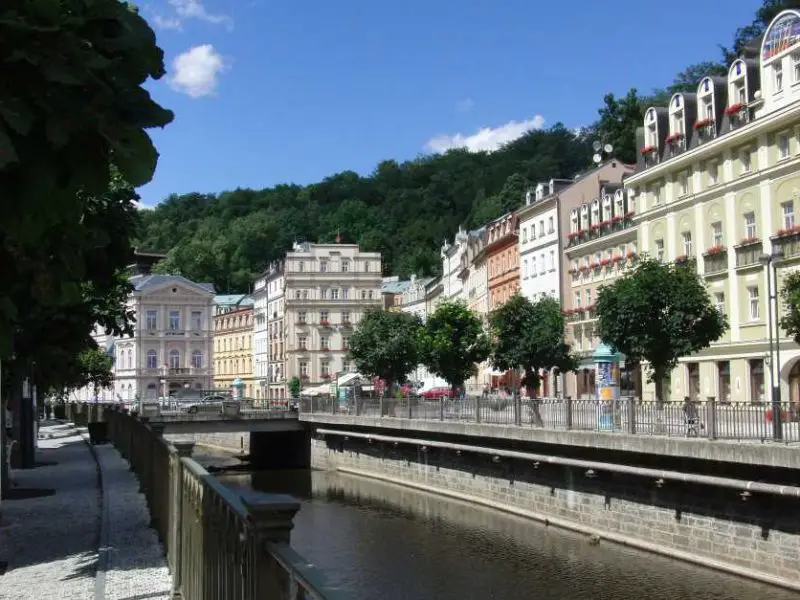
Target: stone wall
(229, 442)
(755, 536)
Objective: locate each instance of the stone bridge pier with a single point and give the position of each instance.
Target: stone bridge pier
(272, 450)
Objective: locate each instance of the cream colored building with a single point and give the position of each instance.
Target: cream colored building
(316, 296)
(233, 344)
(718, 185)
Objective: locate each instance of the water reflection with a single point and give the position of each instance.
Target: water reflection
(384, 541)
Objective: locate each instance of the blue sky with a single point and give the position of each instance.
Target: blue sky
(272, 91)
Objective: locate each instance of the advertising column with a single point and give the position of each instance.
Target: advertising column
(607, 382)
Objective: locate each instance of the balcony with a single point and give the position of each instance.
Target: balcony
(602, 229)
(715, 260)
(748, 253)
(789, 241)
(169, 372)
(333, 301)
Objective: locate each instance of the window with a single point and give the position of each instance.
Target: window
(371, 292)
(152, 320)
(744, 157)
(324, 342)
(683, 183)
(323, 294)
(796, 68)
(750, 225)
(588, 294)
(777, 76)
(552, 260)
(345, 342)
(323, 316)
(524, 235)
(660, 250)
(363, 294)
(716, 234)
(305, 294)
(541, 263)
(174, 359)
(525, 268)
(345, 316)
(324, 369)
(297, 294)
(302, 342)
(174, 320)
(687, 242)
(708, 107)
(783, 145)
(323, 266)
(301, 316)
(550, 228)
(541, 228)
(335, 294)
(197, 359)
(577, 299)
(788, 214)
(303, 368)
(533, 230)
(152, 359)
(752, 301)
(597, 257)
(301, 266)
(366, 266)
(345, 293)
(655, 191)
(197, 320)
(346, 368)
(345, 266)
(713, 172)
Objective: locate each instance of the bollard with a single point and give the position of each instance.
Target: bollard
(712, 418)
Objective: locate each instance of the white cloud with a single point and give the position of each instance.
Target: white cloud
(465, 105)
(488, 138)
(196, 71)
(185, 10)
(143, 206)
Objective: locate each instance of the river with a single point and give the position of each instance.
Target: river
(383, 541)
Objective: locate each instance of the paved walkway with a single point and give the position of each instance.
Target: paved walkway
(73, 531)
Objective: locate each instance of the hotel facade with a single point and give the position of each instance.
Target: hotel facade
(717, 186)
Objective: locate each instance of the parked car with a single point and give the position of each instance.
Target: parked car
(438, 392)
(207, 404)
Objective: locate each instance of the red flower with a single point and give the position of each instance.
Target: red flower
(700, 123)
(616, 219)
(630, 254)
(630, 214)
(605, 262)
(715, 250)
(673, 138)
(750, 240)
(733, 109)
(647, 150)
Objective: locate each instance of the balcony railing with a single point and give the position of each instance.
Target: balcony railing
(789, 243)
(715, 261)
(748, 255)
(601, 229)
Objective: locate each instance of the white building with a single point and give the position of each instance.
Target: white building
(540, 241)
(260, 337)
(452, 283)
(171, 349)
(315, 297)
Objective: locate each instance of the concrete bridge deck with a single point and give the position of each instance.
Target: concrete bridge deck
(250, 420)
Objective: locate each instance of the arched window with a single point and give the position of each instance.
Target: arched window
(737, 86)
(130, 359)
(197, 359)
(677, 122)
(152, 359)
(174, 359)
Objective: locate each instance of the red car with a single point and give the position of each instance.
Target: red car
(438, 392)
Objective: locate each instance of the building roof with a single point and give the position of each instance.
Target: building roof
(143, 282)
(394, 287)
(229, 299)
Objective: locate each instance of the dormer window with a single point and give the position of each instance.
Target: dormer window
(573, 224)
(619, 209)
(777, 77)
(539, 191)
(584, 216)
(737, 86)
(607, 207)
(595, 212)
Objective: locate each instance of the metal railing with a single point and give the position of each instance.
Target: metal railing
(219, 543)
(707, 419)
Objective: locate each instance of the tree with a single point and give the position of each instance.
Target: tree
(790, 293)
(658, 313)
(95, 366)
(294, 387)
(386, 345)
(619, 118)
(453, 342)
(72, 99)
(529, 336)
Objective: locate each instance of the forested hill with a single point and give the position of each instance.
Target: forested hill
(404, 210)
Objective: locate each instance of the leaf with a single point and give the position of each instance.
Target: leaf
(135, 157)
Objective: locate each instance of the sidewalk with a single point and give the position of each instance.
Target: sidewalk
(71, 531)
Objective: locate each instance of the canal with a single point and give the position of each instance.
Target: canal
(384, 541)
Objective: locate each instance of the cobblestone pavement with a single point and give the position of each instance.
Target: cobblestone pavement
(76, 542)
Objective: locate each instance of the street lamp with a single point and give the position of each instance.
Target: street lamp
(769, 261)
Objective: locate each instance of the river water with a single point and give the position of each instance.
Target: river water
(381, 541)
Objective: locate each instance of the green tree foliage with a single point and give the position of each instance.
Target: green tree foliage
(790, 294)
(404, 210)
(95, 366)
(453, 342)
(386, 345)
(294, 387)
(658, 313)
(529, 336)
(71, 100)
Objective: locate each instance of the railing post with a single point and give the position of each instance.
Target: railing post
(408, 402)
(517, 408)
(712, 418)
(271, 520)
(631, 400)
(568, 408)
(441, 408)
(380, 405)
(478, 408)
(176, 507)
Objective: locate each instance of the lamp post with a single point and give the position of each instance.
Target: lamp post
(769, 260)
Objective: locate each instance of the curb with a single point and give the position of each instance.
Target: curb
(103, 550)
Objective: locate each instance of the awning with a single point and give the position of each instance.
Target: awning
(348, 379)
(493, 373)
(320, 390)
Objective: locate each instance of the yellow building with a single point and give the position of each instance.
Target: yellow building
(233, 343)
(718, 185)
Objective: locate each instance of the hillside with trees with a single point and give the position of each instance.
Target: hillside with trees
(404, 210)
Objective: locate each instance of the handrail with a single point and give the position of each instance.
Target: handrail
(219, 543)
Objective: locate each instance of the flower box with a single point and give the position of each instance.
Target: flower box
(595, 227)
(749, 241)
(573, 235)
(617, 259)
(616, 219)
(325, 349)
(605, 223)
(594, 265)
(325, 323)
(304, 377)
(734, 109)
(789, 230)
(629, 214)
(631, 254)
(675, 137)
(702, 123)
(715, 250)
(326, 376)
(605, 262)
(679, 260)
(647, 150)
